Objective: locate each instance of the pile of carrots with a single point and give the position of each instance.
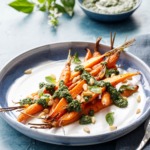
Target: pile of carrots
(95, 64)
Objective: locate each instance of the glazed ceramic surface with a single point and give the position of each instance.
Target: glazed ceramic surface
(108, 17)
(50, 59)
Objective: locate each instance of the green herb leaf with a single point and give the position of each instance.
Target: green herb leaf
(110, 118)
(41, 1)
(43, 8)
(60, 8)
(95, 89)
(109, 72)
(126, 87)
(76, 59)
(22, 6)
(50, 79)
(68, 5)
(51, 1)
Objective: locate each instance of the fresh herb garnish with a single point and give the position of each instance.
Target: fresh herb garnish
(69, 6)
(126, 87)
(86, 76)
(109, 72)
(51, 79)
(54, 9)
(76, 59)
(63, 92)
(85, 119)
(24, 6)
(116, 97)
(95, 89)
(110, 118)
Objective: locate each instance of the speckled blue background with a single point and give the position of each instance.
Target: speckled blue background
(20, 32)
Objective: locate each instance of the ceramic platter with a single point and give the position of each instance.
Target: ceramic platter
(50, 59)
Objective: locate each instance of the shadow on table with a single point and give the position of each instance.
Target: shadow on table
(90, 26)
(105, 146)
(11, 139)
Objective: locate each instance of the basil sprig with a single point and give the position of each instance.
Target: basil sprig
(51, 7)
(110, 118)
(22, 6)
(76, 59)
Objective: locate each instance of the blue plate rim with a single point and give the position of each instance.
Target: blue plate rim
(130, 11)
(140, 119)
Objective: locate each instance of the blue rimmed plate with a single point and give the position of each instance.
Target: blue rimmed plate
(14, 84)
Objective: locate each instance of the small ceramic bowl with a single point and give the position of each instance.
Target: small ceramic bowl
(108, 17)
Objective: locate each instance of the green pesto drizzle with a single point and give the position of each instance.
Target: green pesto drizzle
(25, 101)
(109, 72)
(118, 100)
(63, 92)
(85, 119)
(49, 87)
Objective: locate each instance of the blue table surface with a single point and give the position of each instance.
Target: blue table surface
(20, 32)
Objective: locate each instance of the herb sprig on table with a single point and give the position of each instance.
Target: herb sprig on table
(52, 7)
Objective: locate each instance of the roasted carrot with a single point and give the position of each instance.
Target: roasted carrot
(88, 54)
(68, 118)
(110, 63)
(96, 49)
(77, 89)
(95, 71)
(112, 60)
(31, 110)
(58, 112)
(72, 86)
(95, 60)
(101, 74)
(60, 108)
(120, 78)
(129, 92)
(66, 72)
(97, 106)
(52, 108)
(114, 81)
(106, 100)
(88, 64)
